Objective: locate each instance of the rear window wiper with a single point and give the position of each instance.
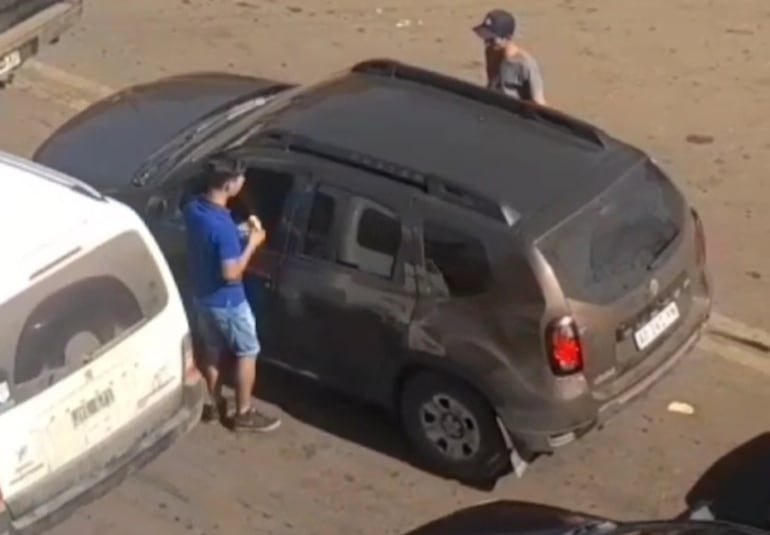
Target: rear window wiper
(657, 256)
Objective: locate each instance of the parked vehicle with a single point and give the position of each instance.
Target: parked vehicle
(96, 369)
(27, 25)
(520, 518)
(502, 275)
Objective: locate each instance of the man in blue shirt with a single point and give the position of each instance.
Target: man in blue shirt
(224, 319)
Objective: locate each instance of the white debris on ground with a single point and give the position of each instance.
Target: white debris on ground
(680, 407)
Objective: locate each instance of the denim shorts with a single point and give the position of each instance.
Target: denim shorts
(231, 329)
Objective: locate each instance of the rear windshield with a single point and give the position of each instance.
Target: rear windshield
(74, 314)
(613, 243)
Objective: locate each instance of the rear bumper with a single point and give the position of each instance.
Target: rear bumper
(560, 422)
(42, 28)
(102, 479)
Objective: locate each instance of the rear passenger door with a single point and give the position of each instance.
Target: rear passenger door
(348, 288)
(455, 279)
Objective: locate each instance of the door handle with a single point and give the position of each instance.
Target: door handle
(156, 206)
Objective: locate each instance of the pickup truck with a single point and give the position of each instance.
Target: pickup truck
(27, 25)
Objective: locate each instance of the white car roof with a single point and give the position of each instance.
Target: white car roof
(40, 205)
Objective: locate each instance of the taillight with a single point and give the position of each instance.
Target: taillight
(565, 352)
(700, 238)
(191, 373)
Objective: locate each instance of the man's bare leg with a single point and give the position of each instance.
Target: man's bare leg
(216, 406)
(247, 418)
(247, 376)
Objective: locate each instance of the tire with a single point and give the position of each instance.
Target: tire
(468, 446)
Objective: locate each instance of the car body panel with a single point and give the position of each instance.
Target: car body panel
(505, 517)
(508, 517)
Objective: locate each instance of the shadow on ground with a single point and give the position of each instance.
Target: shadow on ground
(737, 486)
(336, 414)
(346, 418)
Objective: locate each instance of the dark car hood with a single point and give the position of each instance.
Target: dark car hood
(106, 144)
(505, 517)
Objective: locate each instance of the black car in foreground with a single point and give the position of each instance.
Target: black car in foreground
(522, 518)
(501, 275)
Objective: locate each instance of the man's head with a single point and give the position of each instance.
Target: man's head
(224, 177)
(497, 28)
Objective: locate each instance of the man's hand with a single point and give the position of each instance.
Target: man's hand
(257, 237)
(254, 222)
(257, 234)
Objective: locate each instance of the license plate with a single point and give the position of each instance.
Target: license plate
(9, 62)
(654, 328)
(86, 410)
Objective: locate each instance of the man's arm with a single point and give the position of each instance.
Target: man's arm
(232, 259)
(492, 60)
(536, 82)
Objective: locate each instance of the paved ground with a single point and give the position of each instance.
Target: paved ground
(685, 79)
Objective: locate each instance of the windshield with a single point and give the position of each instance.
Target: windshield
(234, 118)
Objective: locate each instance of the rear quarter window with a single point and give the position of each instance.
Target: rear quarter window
(456, 264)
(74, 314)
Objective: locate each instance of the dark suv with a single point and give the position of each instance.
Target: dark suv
(502, 275)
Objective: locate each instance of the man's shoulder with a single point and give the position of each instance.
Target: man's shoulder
(522, 58)
(200, 217)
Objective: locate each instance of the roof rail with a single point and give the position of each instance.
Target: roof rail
(395, 69)
(429, 183)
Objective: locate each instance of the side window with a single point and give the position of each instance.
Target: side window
(264, 194)
(318, 237)
(456, 264)
(369, 238)
(378, 239)
(116, 286)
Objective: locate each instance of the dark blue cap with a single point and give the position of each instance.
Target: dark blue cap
(497, 24)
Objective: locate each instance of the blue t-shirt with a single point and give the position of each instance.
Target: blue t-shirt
(212, 238)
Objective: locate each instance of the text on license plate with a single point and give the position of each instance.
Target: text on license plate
(659, 323)
(102, 400)
(9, 62)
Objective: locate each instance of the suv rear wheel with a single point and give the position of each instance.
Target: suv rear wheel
(453, 428)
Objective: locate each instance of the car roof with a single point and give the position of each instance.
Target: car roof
(512, 157)
(44, 204)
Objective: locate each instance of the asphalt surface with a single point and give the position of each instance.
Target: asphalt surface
(685, 80)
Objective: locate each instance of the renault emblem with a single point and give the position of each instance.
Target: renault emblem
(654, 287)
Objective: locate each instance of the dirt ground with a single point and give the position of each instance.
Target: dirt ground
(688, 80)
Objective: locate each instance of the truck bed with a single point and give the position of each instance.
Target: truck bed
(27, 25)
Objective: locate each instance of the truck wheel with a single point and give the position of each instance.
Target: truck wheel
(453, 429)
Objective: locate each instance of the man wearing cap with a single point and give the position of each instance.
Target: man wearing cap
(510, 69)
